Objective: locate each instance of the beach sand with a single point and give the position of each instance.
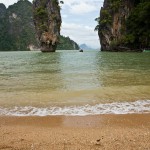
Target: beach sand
(97, 132)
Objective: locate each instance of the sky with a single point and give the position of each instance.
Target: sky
(78, 20)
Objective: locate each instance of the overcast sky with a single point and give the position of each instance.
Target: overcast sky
(77, 20)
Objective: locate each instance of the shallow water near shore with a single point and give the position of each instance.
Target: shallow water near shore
(73, 83)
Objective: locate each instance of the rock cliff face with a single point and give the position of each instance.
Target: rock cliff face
(47, 20)
(112, 25)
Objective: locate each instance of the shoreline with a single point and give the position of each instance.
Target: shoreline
(75, 132)
(140, 107)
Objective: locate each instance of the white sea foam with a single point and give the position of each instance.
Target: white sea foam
(141, 106)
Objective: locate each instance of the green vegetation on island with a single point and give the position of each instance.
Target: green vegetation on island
(66, 43)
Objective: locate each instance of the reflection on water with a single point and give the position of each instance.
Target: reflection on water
(34, 78)
(32, 71)
(124, 69)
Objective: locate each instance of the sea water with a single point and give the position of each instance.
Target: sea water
(74, 83)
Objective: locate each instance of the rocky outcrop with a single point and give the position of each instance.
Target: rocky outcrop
(47, 20)
(112, 25)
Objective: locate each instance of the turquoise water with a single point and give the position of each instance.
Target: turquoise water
(69, 78)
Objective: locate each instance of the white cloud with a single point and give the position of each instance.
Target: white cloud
(64, 16)
(81, 34)
(80, 23)
(81, 7)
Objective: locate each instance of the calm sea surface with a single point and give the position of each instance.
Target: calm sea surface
(73, 83)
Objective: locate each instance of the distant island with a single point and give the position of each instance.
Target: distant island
(17, 31)
(86, 47)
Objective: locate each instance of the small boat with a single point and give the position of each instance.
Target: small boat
(81, 50)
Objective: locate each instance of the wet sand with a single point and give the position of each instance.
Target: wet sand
(111, 132)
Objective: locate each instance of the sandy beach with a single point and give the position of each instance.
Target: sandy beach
(111, 132)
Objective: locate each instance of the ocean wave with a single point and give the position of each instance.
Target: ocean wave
(141, 106)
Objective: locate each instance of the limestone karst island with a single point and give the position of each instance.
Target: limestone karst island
(74, 74)
(123, 25)
(47, 20)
